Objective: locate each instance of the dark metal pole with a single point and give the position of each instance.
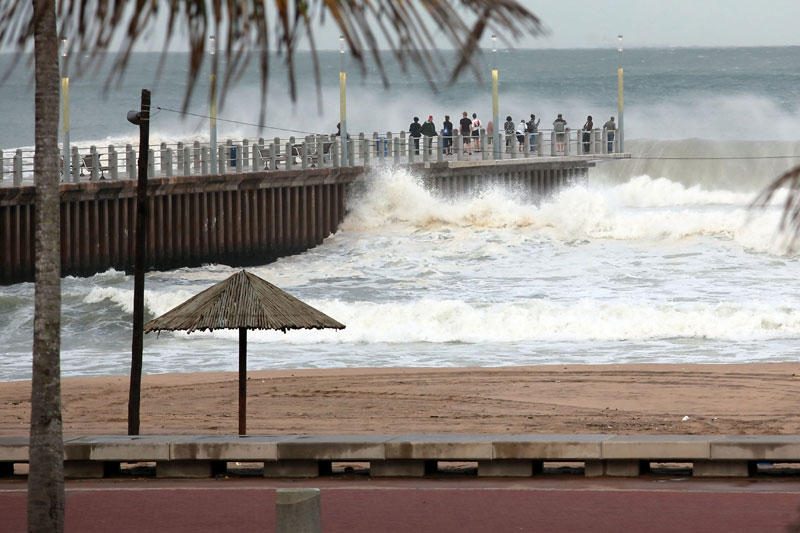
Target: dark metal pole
(242, 381)
(138, 267)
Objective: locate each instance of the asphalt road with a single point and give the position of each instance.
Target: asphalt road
(418, 506)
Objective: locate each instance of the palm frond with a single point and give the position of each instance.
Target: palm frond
(790, 217)
(413, 30)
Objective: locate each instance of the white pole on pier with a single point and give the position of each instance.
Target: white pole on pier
(495, 101)
(343, 103)
(620, 99)
(212, 104)
(65, 109)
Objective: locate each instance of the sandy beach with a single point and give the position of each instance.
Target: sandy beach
(627, 399)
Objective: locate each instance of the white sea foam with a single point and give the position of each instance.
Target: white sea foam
(449, 321)
(640, 209)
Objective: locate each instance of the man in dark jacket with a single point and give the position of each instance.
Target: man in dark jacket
(447, 135)
(415, 132)
(429, 129)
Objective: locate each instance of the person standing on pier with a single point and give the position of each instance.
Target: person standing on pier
(509, 130)
(611, 131)
(560, 129)
(587, 134)
(447, 135)
(466, 131)
(429, 130)
(415, 132)
(476, 132)
(522, 129)
(532, 127)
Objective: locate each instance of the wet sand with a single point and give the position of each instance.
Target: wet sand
(625, 399)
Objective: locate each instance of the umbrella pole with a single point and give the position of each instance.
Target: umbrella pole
(242, 381)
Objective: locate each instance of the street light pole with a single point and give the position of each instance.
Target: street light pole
(65, 109)
(620, 98)
(343, 103)
(212, 104)
(495, 101)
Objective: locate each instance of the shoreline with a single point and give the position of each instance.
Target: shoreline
(743, 398)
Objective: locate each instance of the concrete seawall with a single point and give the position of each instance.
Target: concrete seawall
(235, 219)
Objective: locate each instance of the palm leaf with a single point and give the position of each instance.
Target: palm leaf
(413, 30)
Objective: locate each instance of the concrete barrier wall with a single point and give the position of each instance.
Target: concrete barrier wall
(234, 219)
(299, 456)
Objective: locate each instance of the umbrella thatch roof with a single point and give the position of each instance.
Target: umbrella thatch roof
(242, 301)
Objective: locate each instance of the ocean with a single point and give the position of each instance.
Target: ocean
(657, 259)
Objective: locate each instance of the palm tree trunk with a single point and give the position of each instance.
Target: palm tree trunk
(46, 477)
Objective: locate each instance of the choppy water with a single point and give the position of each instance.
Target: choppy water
(653, 261)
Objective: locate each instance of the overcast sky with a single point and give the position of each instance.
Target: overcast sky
(644, 23)
(662, 23)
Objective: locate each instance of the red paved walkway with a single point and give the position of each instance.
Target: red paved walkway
(418, 506)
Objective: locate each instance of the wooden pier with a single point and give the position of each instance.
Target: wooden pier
(235, 218)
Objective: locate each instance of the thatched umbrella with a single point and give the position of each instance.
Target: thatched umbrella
(243, 301)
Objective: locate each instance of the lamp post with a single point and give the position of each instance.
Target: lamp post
(343, 103)
(212, 104)
(495, 101)
(65, 109)
(620, 99)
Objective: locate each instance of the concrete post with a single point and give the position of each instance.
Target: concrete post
(335, 153)
(457, 137)
(484, 146)
(426, 149)
(3, 168)
(169, 173)
(245, 154)
(526, 145)
(238, 160)
(513, 145)
(439, 149)
(204, 157)
(298, 511)
(18, 168)
(163, 160)
(151, 163)
(567, 141)
(179, 163)
(396, 150)
(304, 154)
(230, 160)
(364, 149)
(222, 162)
(275, 153)
(552, 143)
(258, 161)
(77, 170)
(196, 156)
(289, 156)
(113, 162)
(377, 142)
(539, 144)
(130, 162)
(187, 157)
(410, 150)
(403, 145)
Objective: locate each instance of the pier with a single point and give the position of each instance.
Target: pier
(265, 200)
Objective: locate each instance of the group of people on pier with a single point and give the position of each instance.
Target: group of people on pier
(470, 128)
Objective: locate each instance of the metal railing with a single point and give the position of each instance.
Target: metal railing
(313, 151)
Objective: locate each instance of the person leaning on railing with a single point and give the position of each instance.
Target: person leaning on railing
(611, 131)
(447, 135)
(429, 130)
(415, 132)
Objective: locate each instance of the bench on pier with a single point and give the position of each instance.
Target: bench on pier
(87, 162)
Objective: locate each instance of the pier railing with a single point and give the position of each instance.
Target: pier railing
(312, 151)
